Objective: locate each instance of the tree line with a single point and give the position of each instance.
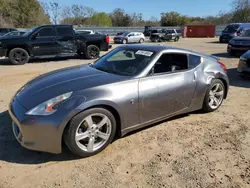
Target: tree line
(29, 13)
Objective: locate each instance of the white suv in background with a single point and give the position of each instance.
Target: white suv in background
(130, 37)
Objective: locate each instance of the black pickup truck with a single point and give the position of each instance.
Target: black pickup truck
(52, 41)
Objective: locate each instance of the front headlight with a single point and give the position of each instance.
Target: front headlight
(46, 108)
(232, 42)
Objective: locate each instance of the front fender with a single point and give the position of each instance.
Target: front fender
(86, 105)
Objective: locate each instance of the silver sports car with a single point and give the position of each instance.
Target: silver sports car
(129, 88)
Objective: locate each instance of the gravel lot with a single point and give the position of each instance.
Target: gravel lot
(193, 150)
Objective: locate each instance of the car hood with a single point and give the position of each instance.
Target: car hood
(242, 39)
(119, 36)
(246, 55)
(3, 38)
(61, 81)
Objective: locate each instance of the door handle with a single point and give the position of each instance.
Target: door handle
(195, 76)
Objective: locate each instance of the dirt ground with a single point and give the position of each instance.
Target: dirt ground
(193, 150)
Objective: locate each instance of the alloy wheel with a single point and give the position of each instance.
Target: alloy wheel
(93, 132)
(19, 56)
(216, 96)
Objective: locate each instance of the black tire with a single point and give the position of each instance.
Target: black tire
(176, 39)
(206, 107)
(92, 52)
(18, 56)
(70, 132)
(124, 41)
(141, 40)
(232, 53)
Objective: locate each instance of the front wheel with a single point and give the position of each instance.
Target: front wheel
(124, 41)
(90, 132)
(18, 56)
(214, 96)
(92, 52)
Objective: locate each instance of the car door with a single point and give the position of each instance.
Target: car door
(131, 38)
(66, 39)
(43, 42)
(137, 37)
(167, 89)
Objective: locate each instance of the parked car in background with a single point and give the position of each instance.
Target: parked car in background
(14, 33)
(239, 44)
(130, 37)
(233, 30)
(3, 31)
(161, 35)
(244, 65)
(120, 33)
(147, 31)
(51, 41)
(131, 87)
(86, 32)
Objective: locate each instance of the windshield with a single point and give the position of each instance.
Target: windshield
(125, 34)
(156, 31)
(246, 33)
(231, 28)
(126, 62)
(170, 31)
(30, 31)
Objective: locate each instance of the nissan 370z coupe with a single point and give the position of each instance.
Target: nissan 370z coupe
(130, 87)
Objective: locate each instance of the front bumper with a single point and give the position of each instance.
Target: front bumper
(237, 48)
(3, 52)
(225, 38)
(243, 68)
(117, 41)
(35, 132)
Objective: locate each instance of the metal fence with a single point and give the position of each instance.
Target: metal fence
(114, 30)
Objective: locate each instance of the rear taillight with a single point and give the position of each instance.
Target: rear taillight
(223, 66)
(107, 39)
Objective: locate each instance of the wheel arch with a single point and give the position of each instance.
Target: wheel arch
(106, 106)
(225, 85)
(23, 47)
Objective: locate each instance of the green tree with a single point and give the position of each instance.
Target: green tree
(23, 13)
(101, 19)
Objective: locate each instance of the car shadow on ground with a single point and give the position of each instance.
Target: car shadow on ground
(216, 42)
(225, 55)
(11, 151)
(236, 80)
(5, 62)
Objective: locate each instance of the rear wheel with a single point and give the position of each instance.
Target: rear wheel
(214, 96)
(18, 56)
(90, 132)
(92, 52)
(176, 39)
(141, 40)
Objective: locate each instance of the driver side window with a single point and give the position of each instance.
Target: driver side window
(170, 62)
(46, 32)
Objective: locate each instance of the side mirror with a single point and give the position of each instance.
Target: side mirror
(129, 35)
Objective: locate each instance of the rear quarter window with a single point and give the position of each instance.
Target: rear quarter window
(193, 61)
(64, 31)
